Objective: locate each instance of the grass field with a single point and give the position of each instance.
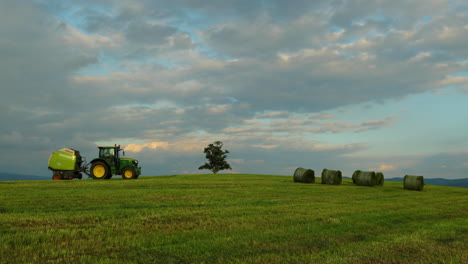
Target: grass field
(230, 219)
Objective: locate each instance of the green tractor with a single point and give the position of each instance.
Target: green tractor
(109, 163)
(67, 164)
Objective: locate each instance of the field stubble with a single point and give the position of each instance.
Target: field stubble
(230, 219)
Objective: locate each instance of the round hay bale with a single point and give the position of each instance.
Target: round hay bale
(333, 177)
(355, 175)
(304, 175)
(411, 182)
(380, 178)
(364, 178)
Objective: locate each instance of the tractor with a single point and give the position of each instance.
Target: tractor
(68, 164)
(109, 163)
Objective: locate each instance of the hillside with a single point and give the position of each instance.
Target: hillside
(19, 177)
(230, 219)
(440, 181)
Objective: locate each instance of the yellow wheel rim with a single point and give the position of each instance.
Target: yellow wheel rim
(99, 171)
(128, 174)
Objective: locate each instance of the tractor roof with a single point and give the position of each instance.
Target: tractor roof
(109, 147)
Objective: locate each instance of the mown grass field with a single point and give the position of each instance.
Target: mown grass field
(230, 219)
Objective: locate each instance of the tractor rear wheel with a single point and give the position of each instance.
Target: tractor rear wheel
(109, 176)
(129, 173)
(99, 170)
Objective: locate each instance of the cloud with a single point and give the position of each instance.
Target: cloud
(152, 145)
(148, 33)
(384, 167)
(303, 124)
(219, 109)
(265, 146)
(314, 65)
(353, 147)
(74, 37)
(460, 82)
(449, 165)
(322, 116)
(36, 58)
(265, 37)
(272, 115)
(420, 56)
(266, 77)
(376, 124)
(37, 61)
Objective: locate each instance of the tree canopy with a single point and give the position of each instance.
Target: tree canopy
(216, 158)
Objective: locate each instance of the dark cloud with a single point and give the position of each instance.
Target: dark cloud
(37, 62)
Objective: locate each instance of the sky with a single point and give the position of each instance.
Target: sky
(376, 85)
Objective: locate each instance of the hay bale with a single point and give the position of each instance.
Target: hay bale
(364, 178)
(304, 175)
(355, 175)
(380, 178)
(333, 177)
(411, 182)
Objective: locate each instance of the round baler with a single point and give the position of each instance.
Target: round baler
(66, 164)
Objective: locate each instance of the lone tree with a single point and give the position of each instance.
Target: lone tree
(216, 157)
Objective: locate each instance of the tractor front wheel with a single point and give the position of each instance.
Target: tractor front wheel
(99, 170)
(129, 173)
(56, 176)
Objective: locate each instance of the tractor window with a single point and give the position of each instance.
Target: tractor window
(106, 153)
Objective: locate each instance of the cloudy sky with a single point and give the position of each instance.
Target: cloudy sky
(338, 84)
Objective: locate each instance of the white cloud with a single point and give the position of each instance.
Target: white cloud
(76, 38)
(336, 147)
(152, 145)
(322, 116)
(420, 56)
(376, 124)
(453, 80)
(384, 167)
(265, 146)
(272, 115)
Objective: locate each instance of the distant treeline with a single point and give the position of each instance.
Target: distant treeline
(18, 177)
(440, 181)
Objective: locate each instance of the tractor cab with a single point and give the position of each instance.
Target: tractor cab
(110, 152)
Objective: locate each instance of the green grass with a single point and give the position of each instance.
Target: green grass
(230, 219)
